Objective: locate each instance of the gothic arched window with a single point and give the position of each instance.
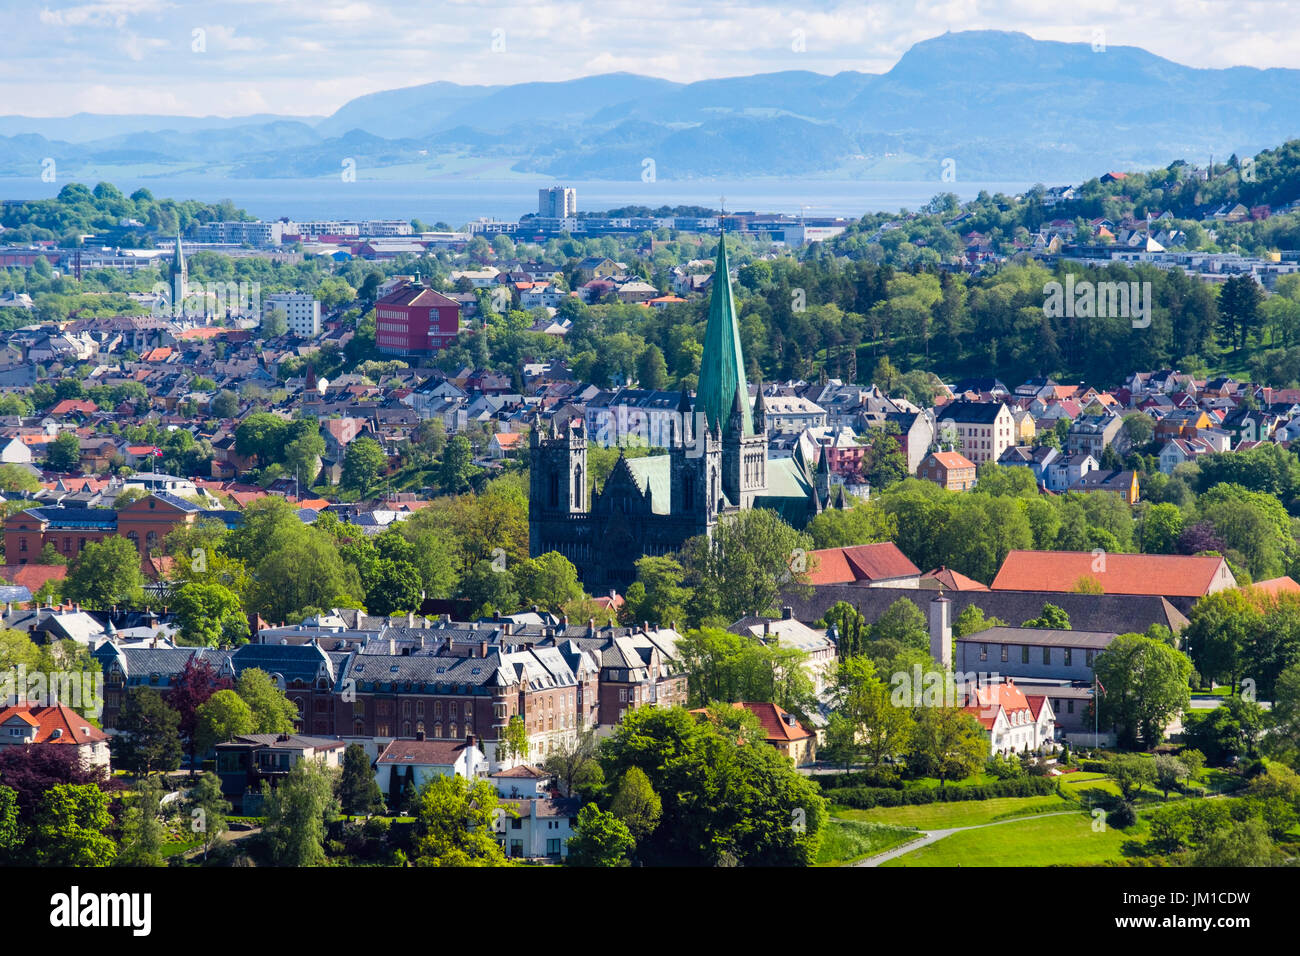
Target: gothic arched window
(577, 486)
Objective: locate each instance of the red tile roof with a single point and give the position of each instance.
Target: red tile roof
(1282, 585)
(954, 580)
(1167, 575)
(862, 562)
(990, 698)
(778, 725)
(74, 728)
(952, 459)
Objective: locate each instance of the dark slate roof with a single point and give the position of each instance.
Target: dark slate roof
(971, 412)
(168, 661)
(291, 661)
(1114, 613)
(84, 517)
(424, 670)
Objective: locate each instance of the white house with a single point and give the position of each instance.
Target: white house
(24, 722)
(1015, 723)
(541, 829)
(426, 759)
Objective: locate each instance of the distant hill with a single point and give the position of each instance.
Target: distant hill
(1002, 106)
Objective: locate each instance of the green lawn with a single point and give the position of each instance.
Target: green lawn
(1068, 840)
(965, 813)
(848, 840)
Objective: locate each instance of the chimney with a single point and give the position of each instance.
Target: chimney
(482, 648)
(787, 613)
(509, 628)
(469, 740)
(941, 631)
(534, 608)
(496, 615)
(410, 619)
(767, 627)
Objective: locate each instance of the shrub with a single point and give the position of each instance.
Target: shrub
(1122, 816)
(865, 798)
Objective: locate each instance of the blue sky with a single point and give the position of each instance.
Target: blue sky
(305, 57)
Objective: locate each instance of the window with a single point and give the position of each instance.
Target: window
(1006, 650)
(1087, 655)
(1069, 656)
(552, 847)
(1024, 654)
(1047, 655)
(1070, 706)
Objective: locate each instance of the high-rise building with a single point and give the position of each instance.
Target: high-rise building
(558, 202)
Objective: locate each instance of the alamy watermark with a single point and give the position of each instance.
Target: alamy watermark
(198, 299)
(1086, 299)
(81, 690)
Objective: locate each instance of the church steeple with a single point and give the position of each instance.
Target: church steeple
(722, 367)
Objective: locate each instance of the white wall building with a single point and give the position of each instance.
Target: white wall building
(301, 308)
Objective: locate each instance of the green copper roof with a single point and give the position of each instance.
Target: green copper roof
(722, 367)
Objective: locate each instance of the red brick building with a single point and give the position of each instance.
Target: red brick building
(144, 522)
(414, 320)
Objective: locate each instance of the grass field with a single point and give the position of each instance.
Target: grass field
(1065, 840)
(941, 816)
(849, 840)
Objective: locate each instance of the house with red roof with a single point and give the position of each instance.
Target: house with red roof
(861, 563)
(781, 730)
(1015, 722)
(25, 723)
(948, 469)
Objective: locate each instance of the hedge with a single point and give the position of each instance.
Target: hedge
(865, 798)
(883, 779)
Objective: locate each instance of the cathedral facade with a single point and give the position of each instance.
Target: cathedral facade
(716, 465)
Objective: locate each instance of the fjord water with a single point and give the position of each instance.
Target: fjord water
(456, 201)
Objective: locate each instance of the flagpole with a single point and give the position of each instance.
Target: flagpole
(1096, 707)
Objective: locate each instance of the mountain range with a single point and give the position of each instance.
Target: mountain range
(1001, 106)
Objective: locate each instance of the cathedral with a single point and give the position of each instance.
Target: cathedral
(716, 465)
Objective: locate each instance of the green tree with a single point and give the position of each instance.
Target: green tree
(880, 731)
(363, 462)
(209, 614)
(457, 466)
(272, 711)
(142, 828)
(71, 827)
(1131, 772)
(514, 740)
(948, 743)
(725, 797)
(208, 809)
(297, 812)
(1242, 843)
(652, 370)
(106, 574)
(454, 824)
(549, 580)
(1146, 686)
(64, 453)
(636, 804)
(148, 733)
(1162, 524)
(742, 570)
(601, 839)
(359, 791)
(223, 716)
(1170, 773)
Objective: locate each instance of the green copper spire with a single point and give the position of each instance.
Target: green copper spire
(722, 367)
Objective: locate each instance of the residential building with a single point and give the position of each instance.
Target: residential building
(301, 309)
(948, 469)
(246, 761)
(984, 429)
(25, 722)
